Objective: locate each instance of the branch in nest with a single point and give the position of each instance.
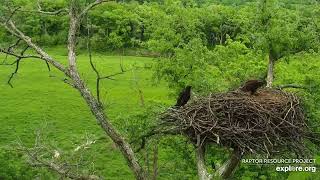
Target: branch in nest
(291, 86)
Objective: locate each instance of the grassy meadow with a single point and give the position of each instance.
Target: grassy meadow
(41, 100)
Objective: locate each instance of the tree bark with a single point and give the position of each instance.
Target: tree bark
(270, 71)
(202, 171)
(227, 169)
(10, 26)
(72, 72)
(155, 162)
(93, 104)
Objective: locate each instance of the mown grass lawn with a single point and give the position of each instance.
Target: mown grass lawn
(41, 98)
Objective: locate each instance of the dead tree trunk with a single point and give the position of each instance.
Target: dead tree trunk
(76, 81)
(224, 172)
(270, 71)
(202, 171)
(227, 169)
(94, 105)
(155, 162)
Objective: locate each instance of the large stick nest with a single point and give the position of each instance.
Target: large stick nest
(266, 122)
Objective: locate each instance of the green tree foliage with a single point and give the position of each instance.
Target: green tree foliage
(212, 45)
(281, 31)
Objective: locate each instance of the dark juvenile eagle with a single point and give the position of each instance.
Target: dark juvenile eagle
(252, 86)
(183, 97)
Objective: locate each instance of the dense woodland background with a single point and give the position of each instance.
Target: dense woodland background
(213, 45)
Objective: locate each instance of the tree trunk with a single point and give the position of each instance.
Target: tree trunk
(270, 71)
(155, 162)
(102, 120)
(93, 103)
(77, 82)
(202, 171)
(227, 169)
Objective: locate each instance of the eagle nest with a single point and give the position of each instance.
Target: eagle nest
(265, 122)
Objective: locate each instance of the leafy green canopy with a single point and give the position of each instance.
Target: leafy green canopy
(213, 45)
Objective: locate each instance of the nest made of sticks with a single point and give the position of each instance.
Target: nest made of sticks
(265, 122)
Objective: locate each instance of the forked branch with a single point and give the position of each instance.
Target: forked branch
(90, 6)
(78, 83)
(11, 27)
(57, 12)
(65, 164)
(17, 62)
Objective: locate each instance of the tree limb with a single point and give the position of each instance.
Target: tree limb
(42, 155)
(10, 26)
(17, 62)
(98, 77)
(57, 12)
(21, 56)
(90, 6)
(94, 105)
(79, 84)
(115, 74)
(291, 86)
(202, 171)
(12, 14)
(227, 169)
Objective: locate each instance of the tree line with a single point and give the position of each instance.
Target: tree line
(164, 26)
(193, 34)
(210, 45)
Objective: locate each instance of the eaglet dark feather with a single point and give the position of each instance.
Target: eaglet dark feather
(183, 97)
(252, 86)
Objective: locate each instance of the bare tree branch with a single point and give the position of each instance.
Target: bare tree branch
(270, 73)
(10, 26)
(57, 12)
(155, 162)
(156, 130)
(42, 155)
(115, 74)
(17, 62)
(12, 14)
(291, 86)
(91, 5)
(98, 77)
(200, 157)
(228, 168)
(10, 49)
(79, 84)
(21, 56)
(95, 105)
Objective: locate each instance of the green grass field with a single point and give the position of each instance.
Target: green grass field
(41, 98)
